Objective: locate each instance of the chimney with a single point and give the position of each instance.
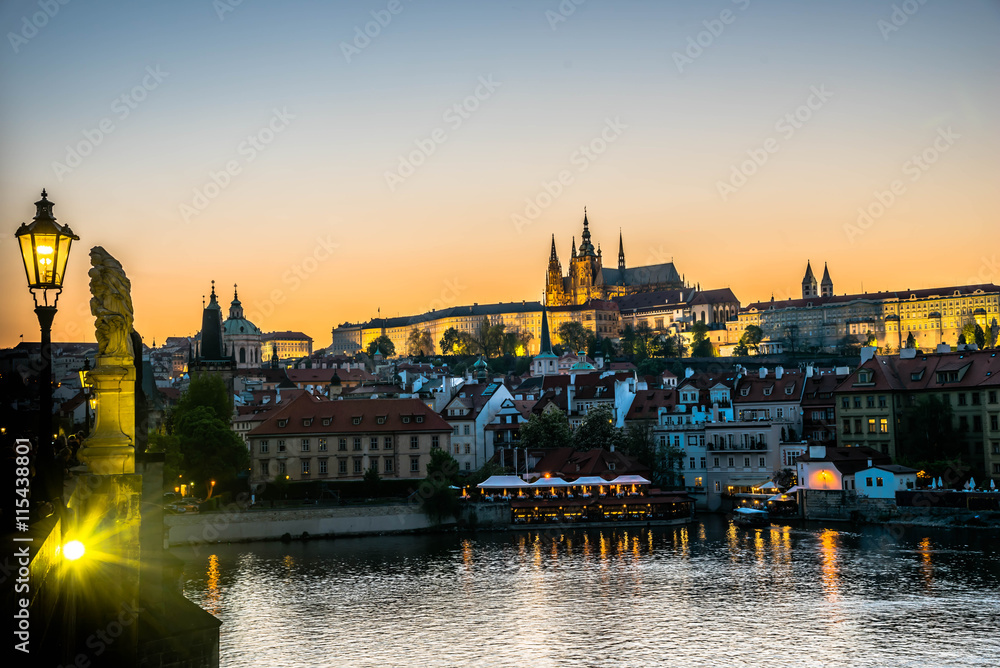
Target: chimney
(867, 352)
(778, 370)
(688, 372)
(809, 370)
(762, 372)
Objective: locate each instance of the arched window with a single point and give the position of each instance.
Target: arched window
(243, 355)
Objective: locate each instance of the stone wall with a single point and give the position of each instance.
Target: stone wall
(238, 525)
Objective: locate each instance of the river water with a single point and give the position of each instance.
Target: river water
(709, 594)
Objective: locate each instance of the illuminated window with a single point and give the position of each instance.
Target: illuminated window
(883, 425)
(871, 425)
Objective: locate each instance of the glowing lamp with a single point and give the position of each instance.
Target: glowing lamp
(73, 550)
(45, 248)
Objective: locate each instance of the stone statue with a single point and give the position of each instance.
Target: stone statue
(111, 305)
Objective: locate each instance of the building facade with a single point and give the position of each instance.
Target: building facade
(826, 321)
(314, 439)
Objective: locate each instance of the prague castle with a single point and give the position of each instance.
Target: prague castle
(588, 279)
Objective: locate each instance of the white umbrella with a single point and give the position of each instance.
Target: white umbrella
(972, 483)
(933, 484)
(993, 485)
(966, 486)
(940, 484)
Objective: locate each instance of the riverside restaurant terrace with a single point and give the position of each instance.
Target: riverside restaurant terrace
(590, 500)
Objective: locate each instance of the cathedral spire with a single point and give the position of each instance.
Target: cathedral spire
(573, 251)
(552, 255)
(586, 248)
(546, 343)
(621, 253)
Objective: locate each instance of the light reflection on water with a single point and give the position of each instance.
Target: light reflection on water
(711, 594)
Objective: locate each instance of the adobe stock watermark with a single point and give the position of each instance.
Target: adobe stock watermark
(786, 126)
(247, 151)
(704, 39)
(454, 116)
(565, 10)
(581, 159)
(914, 168)
(363, 35)
(898, 17)
(121, 108)
(223, 7)
(30, 25)
(293, 278)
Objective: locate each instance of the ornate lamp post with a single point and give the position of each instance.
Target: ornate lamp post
(85, 388)
(45, 250)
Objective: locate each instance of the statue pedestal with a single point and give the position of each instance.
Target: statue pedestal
(110, 449)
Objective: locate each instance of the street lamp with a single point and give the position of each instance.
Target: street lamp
(45, 248)
(85, 388)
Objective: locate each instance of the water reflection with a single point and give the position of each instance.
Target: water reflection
(926, 564)
(802, 596)
(828, 565)
(212, 585)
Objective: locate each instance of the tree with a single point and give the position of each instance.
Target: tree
(419, 342)
(927, 433)
(792, 337)
(643, 335)
(515, 342)
(701, 346)
(992, 333)
(383, 344)
(911, 341)
(639, 441)
(628, 340)
(437, 498)
(871, 340)
(980, 338)
(573, 335)
(549, 429)
(651, 367)
(443, 466)
(199, 444)
(750, 340)
(207, 391)
(969, 330)
(209, 449)
(372, 481)
(598, 430)
(449, 341)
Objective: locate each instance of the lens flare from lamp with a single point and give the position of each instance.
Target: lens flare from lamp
(73, 550)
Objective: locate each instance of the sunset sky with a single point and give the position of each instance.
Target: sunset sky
(272, 144)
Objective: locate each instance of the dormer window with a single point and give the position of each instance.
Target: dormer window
(789, 389)
(307, 422)
(282, 423)
(420, 418)
(356, 420)
(767, 391)
(745, 391)
(326, 422)
(380, 419)
(406, 419)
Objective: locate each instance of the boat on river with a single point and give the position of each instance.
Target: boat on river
(751, 517)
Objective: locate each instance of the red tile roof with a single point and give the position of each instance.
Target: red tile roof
(342, 414)
(647, 403)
